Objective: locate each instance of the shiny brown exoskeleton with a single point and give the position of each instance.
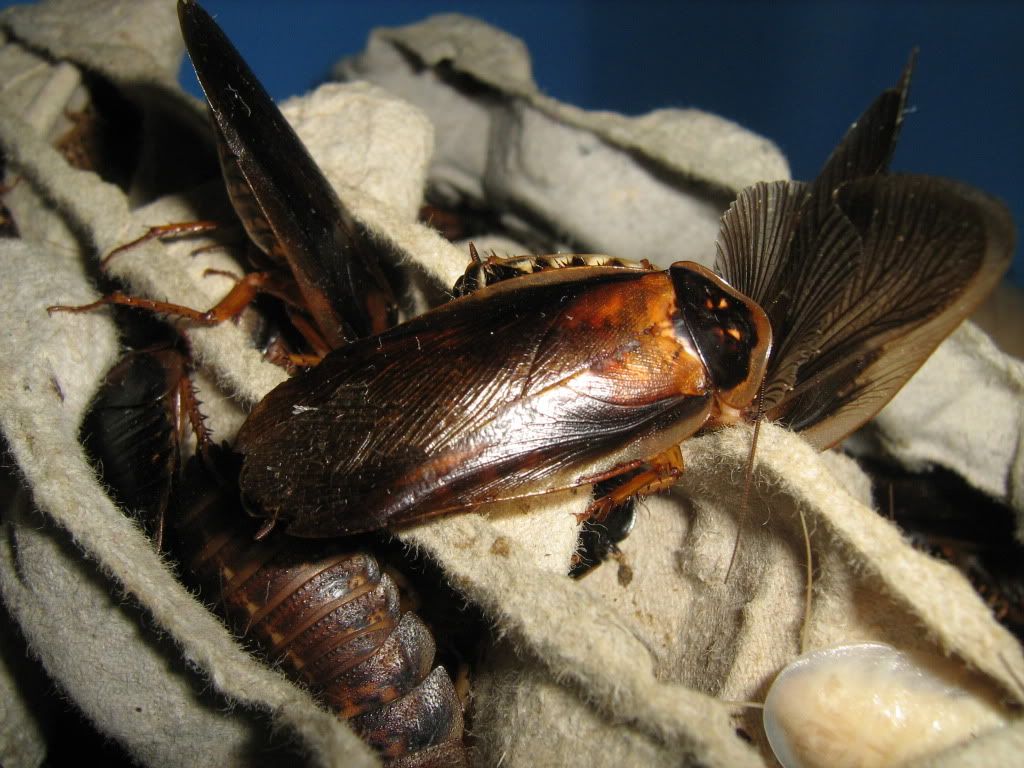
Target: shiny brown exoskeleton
(329, 616)
(287, 206)
(136, 424)
(597, 367)
(326, 613)
(565, 377)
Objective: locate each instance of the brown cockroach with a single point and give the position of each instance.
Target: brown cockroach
(831, 295)
(329, 616)
(288, 208)
(135, 425)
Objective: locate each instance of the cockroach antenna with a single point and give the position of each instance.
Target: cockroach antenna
(748, 478)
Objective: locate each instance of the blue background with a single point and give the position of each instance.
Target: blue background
(797, 72)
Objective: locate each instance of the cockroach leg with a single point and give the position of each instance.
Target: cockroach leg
(310, 334)
(231, 306)
(162, 232)
(304, 361)
(265, 529)
(598, 542)
(211, 272)
(662, 472)
(189, 411)
(613, 473)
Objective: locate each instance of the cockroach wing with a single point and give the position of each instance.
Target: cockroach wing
(329, 254)
(785, 242)
(130, 432)
(867, 147)
(861, 274)
(916, 255)
(932, 250)
(497, 394)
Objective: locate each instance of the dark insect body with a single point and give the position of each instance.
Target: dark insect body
(944, 516)
(287, 206)
(135, 425)
(328, 615)
(599, 540)
(593, 372)
(563, 377)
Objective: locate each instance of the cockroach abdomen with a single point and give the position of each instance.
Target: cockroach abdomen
(395, 668)
(332, 619)
(428, 715)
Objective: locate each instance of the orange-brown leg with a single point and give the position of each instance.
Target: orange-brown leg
(182, 407)
(312, 336)
(237, 299)
(189, 413)
(662, 473)
(164, 231)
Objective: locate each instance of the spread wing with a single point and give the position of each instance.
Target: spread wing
(287, 205)
(861, 273)
(469, 403)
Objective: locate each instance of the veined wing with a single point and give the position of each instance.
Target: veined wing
(297, 212)
(861, 273)
(475, 401)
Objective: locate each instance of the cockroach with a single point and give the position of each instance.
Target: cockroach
(313, 253)
(828, 296)
(287, 206)
(135, 426)
(329, 616)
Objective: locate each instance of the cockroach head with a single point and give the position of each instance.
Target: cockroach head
(730, 331)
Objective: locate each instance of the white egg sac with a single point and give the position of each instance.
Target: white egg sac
(871, 705)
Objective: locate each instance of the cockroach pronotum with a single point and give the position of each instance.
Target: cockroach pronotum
(830, 295)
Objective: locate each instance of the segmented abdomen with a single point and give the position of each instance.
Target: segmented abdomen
(331, 619)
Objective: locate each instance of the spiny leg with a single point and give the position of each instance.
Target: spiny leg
(231, 306)
(163, 232)
(661, 474)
